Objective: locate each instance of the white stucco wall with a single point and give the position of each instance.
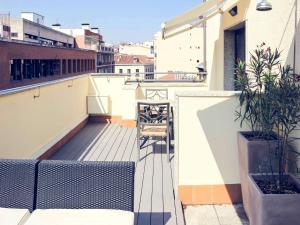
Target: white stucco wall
(180, 51)
(206, 140)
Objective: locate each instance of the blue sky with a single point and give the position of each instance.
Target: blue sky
(118, 20)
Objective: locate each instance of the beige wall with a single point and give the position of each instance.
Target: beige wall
(136, 49)
(111, 95)
(120, 98)
(16, 26)
(172, 88)
(179, 51)
(206, 140)
(30, 126)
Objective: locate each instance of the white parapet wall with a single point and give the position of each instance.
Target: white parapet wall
(112, 95)
(206, 152)
(171, 88)
(35, 118)
(108, 95)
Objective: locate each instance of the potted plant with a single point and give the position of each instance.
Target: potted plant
(269, 104)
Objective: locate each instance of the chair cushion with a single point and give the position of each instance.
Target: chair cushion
(80, 217)
(149, 130)
(10, 216)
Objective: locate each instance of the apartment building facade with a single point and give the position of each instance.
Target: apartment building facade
(145, 48)
(105, 59)
(5, 26)
(88, 37)
(135, 65)
(85, 36)
(30, 28)
(23, 63)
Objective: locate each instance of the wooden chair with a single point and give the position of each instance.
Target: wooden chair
(153, 120)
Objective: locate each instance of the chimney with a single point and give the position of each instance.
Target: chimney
(95, 30)
(85, 26)
(56, 26)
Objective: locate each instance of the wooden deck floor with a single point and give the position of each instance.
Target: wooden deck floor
(155, 202)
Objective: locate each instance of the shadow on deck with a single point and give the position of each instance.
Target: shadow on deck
(155, 202)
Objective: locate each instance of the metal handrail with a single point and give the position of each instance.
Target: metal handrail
(154, 76)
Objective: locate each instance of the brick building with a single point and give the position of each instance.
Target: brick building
(24, 64)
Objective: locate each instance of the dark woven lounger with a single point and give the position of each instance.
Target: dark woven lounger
(17, 183)
(89, 185)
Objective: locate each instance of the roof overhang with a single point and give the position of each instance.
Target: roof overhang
(193, 15)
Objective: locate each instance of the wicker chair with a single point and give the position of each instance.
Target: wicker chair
(153, 120)
(17, 183)
(85, 185)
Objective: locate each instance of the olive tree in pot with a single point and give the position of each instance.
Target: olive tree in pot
(269, 104)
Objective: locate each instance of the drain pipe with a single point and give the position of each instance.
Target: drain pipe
(204, 43)
(295, 36)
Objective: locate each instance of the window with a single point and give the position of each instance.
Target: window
(82, 66)
(43, 68)
(56, 66)
(120, 71)
(36, 68)
(137, 72)
(69, 66)
(16, 69)
(20, 69)
(74, 65)
(93, 63)
(78, 65)
(129, 71)
(85, 65)
(136, 60)
(27, 69)
(64, 66)
(14, 34)
(89, 65)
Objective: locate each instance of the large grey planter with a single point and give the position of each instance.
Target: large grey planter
(258, 206)
(252, 159)
(273, 209)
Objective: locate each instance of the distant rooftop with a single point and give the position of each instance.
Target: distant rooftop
(132, 59)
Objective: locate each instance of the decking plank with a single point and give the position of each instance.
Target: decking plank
(157, 206)
(67, 151)
(178, 206)
(155, 203)
(94, 148)
(130, 153)
(88, 145)
(108, 147)
(133, 153)
(102, 148)
(116, 146)
(139, 184)
(124, 145)
(98, 148)
(144, 200)
(81, 147)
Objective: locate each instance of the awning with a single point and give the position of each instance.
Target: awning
(192, 15)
